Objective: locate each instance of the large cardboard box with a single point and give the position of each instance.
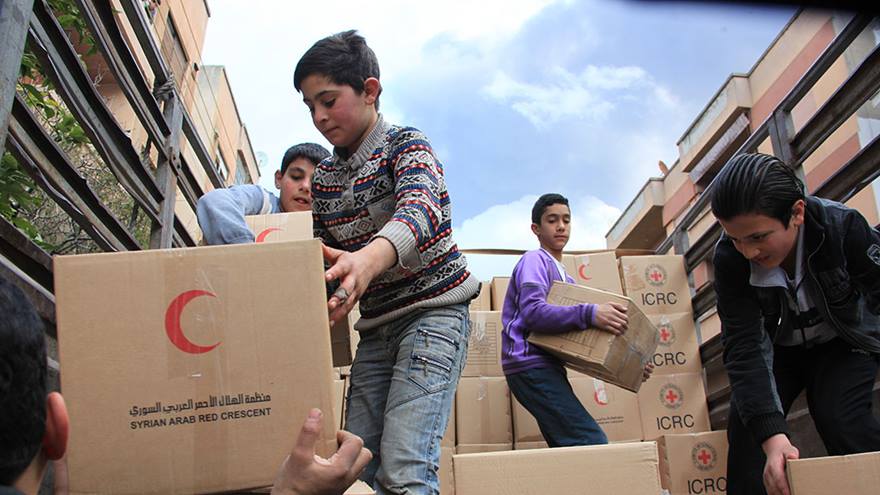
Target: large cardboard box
(499, 292)
(596, 270)
(279, 227)
(693, 463)
(525, 426)
(856, 474)
(190, 370)
(619, 469)
(445, 471)
(483, 301)
(484, 345)
(615, 409)
(673, 404)
(617, 359)
(483, 411)
(297, 226)
(657, 284)
(483, 447)
(677, 347)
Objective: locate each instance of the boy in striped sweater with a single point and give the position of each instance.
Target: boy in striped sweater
(381, 209)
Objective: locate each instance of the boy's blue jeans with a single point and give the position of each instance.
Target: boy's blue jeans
(547, 395)
(403, 382)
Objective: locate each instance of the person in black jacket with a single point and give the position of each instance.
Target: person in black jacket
(798, 285)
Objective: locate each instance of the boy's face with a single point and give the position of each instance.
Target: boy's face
(763, 239)
(338, 112)
(554, 229)
(295, 185)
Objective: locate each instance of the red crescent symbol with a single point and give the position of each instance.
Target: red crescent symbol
(263, 234)
(172, 322)
(582, 274)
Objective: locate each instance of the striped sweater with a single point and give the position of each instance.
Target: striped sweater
(393, 187)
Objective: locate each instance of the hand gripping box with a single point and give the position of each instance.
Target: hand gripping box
(619, 469)
(191, 370)
(618, 360)
(694, 463)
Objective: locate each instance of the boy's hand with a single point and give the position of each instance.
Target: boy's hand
(611, 317)
(779, 450)
(355, 271)
(646, 373)
(305, 473)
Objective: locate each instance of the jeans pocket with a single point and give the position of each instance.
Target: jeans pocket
(436, 352)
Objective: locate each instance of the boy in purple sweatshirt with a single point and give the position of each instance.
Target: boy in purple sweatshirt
(537, 379)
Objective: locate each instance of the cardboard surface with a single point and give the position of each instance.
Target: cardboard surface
(619, 360)
(525, 426)
(619, 469)
(484, 345)
(360, 488)
(694, 463)
(448, 439)
(657, 284)
(673, 404)
(530, 445)
(280, 227)
(597, 270)
(483, 448)
(615, 409)
(339, 401)
(677, 347)
(499, 292)
(856, 474)
(189, 370)
(483, 301)
(483, 411)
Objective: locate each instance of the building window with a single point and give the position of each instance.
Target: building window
(242, 175)
(151, 7)
(173, 52)
(222, 167)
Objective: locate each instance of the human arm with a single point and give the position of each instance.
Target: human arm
(778, 450)
(305, 473)
(221, 213)
(355, 270)
(748, 350)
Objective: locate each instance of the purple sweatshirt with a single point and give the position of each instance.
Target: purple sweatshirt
(526, 310)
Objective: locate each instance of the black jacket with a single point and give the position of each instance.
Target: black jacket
(843, 265)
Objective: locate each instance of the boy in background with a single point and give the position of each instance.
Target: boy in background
(382, 210)
(537, 379)
(798, 285)
(221, 212)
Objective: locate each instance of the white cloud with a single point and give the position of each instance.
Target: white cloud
(592, 94)
(508, 226)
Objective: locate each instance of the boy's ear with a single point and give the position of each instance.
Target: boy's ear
(372, 88)
(57, 427)
(536, 228)
(798, 210)
(278, 177)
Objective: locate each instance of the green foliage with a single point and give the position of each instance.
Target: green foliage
(16, 193)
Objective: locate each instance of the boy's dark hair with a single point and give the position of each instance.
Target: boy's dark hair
(343, 57)
(543, 202)
(310, 151)
(22, 383)
(756, 183)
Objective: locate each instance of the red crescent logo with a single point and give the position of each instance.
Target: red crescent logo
(582, 273)
(172, 322)
(262, 236)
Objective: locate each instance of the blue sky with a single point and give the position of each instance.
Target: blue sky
(518, 98)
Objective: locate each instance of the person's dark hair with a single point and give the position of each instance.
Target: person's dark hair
(343, 57)
(543, 202)
(310, 151)
(22, 383)
(756, 183)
